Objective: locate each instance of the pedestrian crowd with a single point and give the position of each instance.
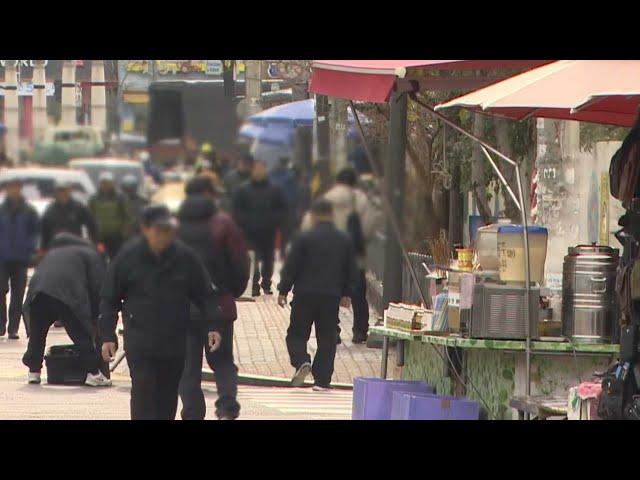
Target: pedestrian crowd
(174, 282)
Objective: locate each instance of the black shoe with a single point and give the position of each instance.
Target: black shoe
(267, 291)
(58, 324)
(359, 338)
(14, 336)
(255, 292)
(3, 331)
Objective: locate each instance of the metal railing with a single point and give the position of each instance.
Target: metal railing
(410, 292)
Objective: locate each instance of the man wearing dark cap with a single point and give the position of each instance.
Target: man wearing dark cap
(153, 280)
(65, 214)
(321, 269)
(235, 178)
(218, 241)
(19, 228)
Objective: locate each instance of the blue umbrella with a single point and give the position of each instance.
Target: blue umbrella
(287, 116)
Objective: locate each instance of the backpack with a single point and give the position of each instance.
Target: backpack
(624, 169)
(354, 227)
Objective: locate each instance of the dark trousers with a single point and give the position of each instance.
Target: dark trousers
(263, 247)
(112, 244)
(12, 274)
(226, 373)
(44, 310)
(360, 305)
(154, 387)
(321, 311)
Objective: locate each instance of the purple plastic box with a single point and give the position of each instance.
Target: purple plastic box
(424, 406)
(372, 396)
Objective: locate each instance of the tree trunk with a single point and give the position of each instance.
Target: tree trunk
(504, 145)
(478, 183)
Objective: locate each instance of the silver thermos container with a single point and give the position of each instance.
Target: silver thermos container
(589, 302)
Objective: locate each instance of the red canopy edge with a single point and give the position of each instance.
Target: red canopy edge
(373, 80)
(364, 87)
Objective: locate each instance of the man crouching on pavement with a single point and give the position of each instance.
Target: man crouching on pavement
(66, 287)
(153, 280)
(321, 269)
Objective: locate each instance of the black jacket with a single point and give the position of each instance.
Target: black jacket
(72, 272)
(68, 218)
(259, 208)
(321, 261)
(154, 294)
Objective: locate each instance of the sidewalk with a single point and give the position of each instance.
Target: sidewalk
(260, 349)
(20, 401)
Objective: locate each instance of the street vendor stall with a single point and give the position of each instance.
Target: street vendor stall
(506, 364)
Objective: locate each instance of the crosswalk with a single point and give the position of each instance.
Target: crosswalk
(275, 403)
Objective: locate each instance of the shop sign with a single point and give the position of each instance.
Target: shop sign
(26, 90)
(173, 67)
(138, 66)
(135, 97)
(214, 67)
(24, 63)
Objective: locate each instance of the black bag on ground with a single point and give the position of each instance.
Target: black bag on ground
(64, 365)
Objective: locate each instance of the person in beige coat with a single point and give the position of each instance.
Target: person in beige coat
(346, 199)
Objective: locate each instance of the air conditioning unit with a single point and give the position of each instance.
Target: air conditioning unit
(498, 311)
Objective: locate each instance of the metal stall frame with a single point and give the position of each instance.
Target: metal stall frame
(518, 200)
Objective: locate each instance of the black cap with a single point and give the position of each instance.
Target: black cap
(158, 215)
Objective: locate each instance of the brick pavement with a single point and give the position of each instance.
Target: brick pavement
(260, 349)
(20, 401)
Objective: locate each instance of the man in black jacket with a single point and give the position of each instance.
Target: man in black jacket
(19, 229)
(153, 281)
(65, 214)
(66, 287)
(321, 269)
(219, 243)
(259, 207)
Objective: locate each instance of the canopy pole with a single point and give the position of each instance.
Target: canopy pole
(501, 176)
(525, 233)
(394, 175)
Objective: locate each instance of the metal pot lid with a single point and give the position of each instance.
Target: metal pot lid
(593, 249)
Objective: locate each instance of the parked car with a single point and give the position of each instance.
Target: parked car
(119, 167)
(61, 144)
(39, 184)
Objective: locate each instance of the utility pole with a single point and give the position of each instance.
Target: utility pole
(11, 110)
(68, 107)
(253, 82)
(98, 96)
(39, 100)
(323, 146)
(338, 137)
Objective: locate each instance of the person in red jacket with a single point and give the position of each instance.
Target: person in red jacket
(220, 244)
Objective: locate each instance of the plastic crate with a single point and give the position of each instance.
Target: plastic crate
(372, 396)
(424, 406)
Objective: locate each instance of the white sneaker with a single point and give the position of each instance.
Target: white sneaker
(98, 380)
(34, 378)
(318, 388)
(301, 374)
